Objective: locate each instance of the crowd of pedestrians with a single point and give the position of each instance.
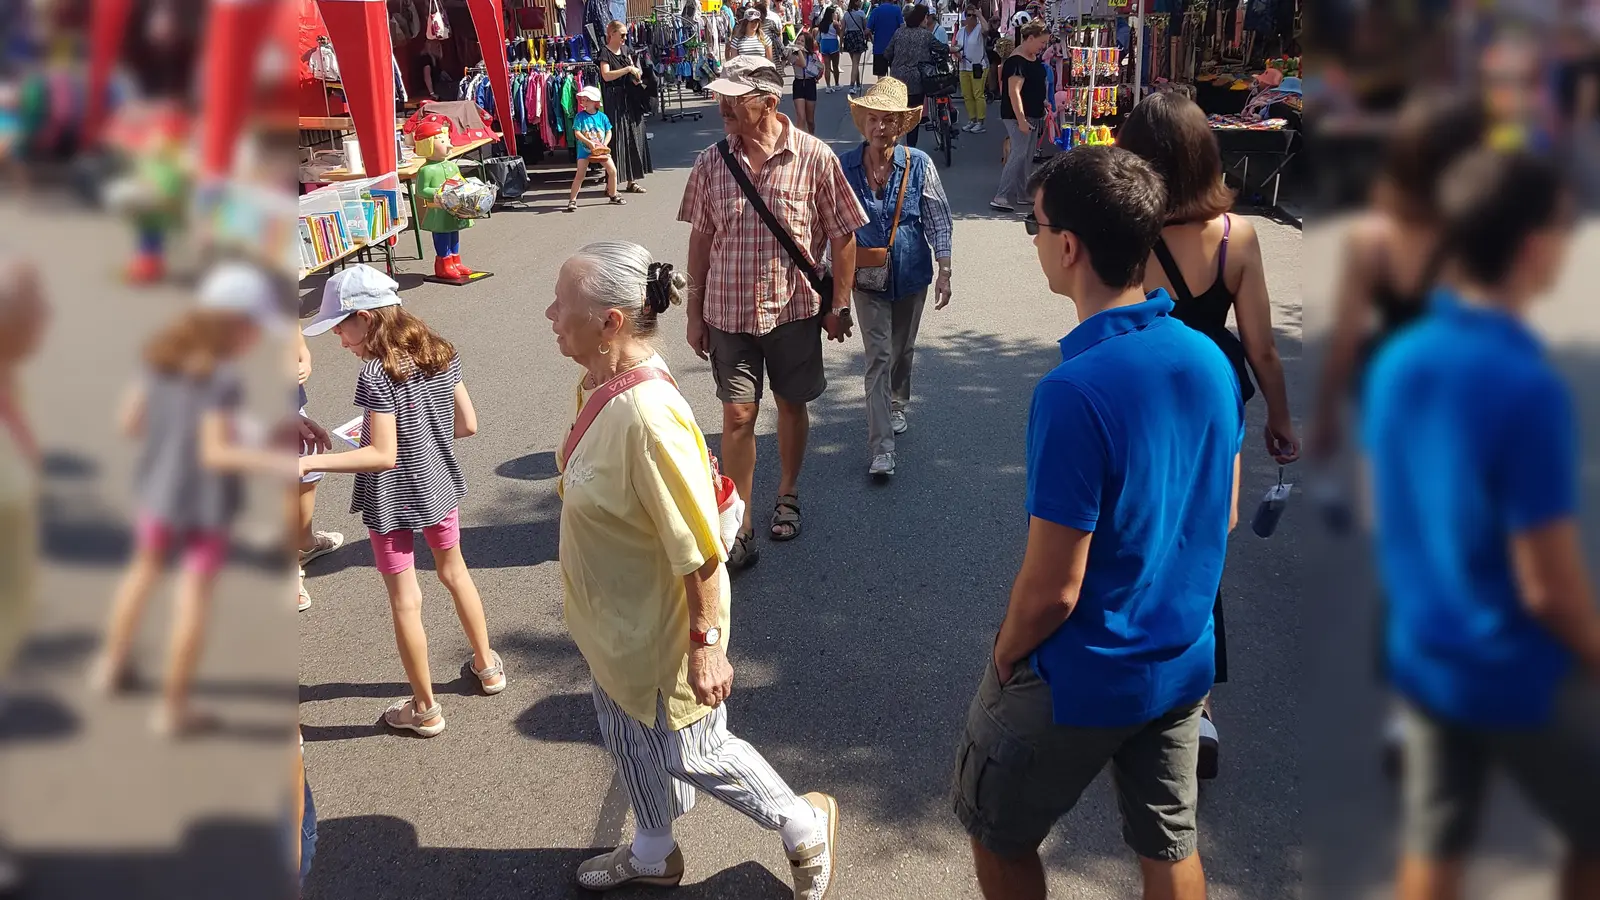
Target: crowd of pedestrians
(1112, 640)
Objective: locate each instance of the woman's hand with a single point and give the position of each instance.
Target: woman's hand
(710, 676)
(1282, 444)
(941, 290)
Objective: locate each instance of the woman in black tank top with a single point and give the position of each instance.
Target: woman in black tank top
(1171, 132)
(1389, 264)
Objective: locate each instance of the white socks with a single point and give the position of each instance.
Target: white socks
(801, 825)
(651, 847)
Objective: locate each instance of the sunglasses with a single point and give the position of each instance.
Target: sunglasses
(1034, 226)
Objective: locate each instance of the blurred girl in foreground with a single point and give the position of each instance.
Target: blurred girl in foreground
(188, 481)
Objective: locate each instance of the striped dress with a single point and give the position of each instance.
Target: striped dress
(426, 484)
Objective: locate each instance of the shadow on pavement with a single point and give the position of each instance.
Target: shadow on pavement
(533, 467)
(562, 718)
(36, 717)
(237, 859)
(378, 856)
(466, 685)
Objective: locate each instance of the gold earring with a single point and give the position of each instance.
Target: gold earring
(605, 349)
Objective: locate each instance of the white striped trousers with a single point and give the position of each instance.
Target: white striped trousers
(660, 768)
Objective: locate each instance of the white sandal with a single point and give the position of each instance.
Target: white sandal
(494, 669)
(404, 714)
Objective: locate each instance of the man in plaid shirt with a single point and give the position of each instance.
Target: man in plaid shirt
(751, 309)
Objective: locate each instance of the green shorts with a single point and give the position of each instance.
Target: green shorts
(1017, 771)
(789, 356)
(1447, 768)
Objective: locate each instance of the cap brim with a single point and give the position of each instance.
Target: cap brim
(729, 88)
(321, 326)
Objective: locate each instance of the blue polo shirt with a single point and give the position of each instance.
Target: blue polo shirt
(884, 20)
(1471, 437)
(1133, 437)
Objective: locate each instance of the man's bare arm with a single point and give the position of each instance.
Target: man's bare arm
(1045, 592)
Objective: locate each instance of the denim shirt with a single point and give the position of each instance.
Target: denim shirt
(911, 258)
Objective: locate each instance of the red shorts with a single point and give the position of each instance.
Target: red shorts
(392, 551)
(204, 551)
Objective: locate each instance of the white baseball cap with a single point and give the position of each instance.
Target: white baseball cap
(356, 288)
(590, 93)
(244, 289)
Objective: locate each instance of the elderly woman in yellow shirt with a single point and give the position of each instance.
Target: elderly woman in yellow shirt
(646, 588)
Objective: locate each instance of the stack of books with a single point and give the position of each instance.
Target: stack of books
(323, 237)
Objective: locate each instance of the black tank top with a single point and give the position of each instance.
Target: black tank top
(1208, 313)
(1396, 309)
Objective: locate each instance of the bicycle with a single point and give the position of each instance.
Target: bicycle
(943, 124)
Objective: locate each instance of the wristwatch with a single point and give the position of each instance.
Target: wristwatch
(711, 637)
(843, 313)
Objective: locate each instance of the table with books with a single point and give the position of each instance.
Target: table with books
(350, 218)
(406, 172)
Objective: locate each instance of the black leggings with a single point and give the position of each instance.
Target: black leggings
(916, 101)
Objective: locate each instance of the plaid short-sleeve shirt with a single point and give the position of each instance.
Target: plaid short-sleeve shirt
(753, 286)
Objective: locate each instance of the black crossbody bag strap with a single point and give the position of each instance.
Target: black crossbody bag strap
(773, 225)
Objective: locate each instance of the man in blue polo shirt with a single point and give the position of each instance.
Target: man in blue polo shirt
(884, 20)
(1493, 638)
(1106, 651)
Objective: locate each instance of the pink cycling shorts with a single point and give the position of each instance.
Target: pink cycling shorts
(393, 552)
(204, 551)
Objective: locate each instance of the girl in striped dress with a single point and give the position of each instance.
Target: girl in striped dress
(407, 478)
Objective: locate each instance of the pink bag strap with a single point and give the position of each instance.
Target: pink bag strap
(617, 386)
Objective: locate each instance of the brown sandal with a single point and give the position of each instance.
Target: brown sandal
(786, 514)
(744, 554)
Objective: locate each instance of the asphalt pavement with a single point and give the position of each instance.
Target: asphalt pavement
(857, 647)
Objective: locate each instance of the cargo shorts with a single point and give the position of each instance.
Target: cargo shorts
(1447, 769)
(1017, 771)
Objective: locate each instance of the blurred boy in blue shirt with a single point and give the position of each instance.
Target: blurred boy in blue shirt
(1493, 638)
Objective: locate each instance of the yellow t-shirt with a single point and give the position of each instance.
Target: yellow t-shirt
(638, 513)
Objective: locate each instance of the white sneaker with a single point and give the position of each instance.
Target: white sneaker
(323, 543)
(882, 464)
(978, 128)
(897, 421)
(1002, 204)
(811, 863)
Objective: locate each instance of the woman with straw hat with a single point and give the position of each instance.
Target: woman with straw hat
(909, 228)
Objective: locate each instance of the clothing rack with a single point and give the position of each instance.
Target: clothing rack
(670, 83)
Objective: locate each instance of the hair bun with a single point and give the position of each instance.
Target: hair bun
(659, 290)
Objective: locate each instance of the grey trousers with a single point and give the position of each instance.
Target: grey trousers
(1019, 163)
(889, 335)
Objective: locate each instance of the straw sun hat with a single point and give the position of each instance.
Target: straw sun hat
(888, 95)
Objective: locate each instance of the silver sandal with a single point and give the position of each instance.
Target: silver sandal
(496, 668)
(403, 714)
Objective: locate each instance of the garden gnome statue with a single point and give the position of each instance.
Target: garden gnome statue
(433, 144)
